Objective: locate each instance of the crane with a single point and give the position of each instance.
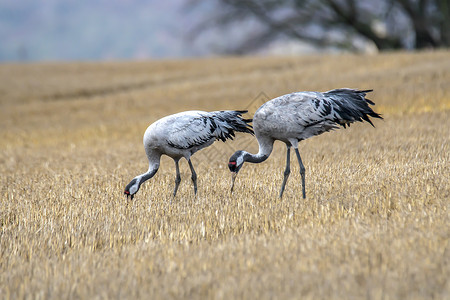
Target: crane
(181, 135)
(295, 117)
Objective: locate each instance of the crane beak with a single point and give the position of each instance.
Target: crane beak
(129, 196)
(233, 178)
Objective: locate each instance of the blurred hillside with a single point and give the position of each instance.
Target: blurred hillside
(136, 29)
(92, 30)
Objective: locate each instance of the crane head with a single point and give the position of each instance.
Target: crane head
(235, 164)
(132, 188)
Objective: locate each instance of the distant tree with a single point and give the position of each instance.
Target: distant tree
(389, 24)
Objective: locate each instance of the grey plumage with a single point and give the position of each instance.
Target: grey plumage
(181, 135)
(295, 117)
(197, 129)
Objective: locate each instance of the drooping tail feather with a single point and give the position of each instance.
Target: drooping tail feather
(352, 105)
(229, 121)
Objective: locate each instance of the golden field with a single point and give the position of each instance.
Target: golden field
(374, 225)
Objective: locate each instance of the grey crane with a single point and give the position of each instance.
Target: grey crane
(295, 117)
(181, 135)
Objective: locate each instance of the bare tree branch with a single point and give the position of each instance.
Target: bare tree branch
(339, 22)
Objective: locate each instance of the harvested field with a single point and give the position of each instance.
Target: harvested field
(374, 225)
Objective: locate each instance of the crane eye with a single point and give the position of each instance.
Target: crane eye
(232, 166)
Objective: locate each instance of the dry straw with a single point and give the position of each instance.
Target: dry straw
(374, 224)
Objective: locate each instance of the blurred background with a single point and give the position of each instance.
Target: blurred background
(59, 30)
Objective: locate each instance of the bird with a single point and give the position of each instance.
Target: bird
(294, 117)
(181, 135)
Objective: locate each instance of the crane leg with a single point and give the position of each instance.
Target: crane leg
(302, 172)
(287, 171)
(194, 176)
(177, 179)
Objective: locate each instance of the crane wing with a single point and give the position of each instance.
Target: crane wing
(193, 129)
(335, 107)
(306, 114)
(189, 130)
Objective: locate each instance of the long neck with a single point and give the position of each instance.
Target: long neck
(265, 148)
(147, 175)
(153, 167)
